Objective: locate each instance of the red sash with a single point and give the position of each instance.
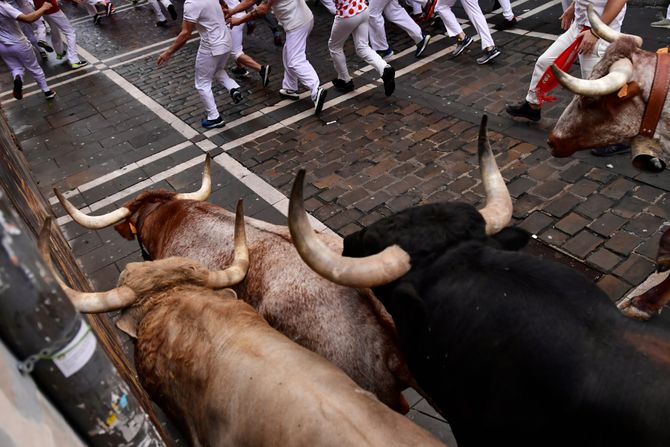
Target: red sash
(564, 61)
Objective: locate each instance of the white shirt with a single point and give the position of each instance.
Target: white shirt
(291, 14)
(598, 6)
(345, 8)
(208, 18)
(10, 33)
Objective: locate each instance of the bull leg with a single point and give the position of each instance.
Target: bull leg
(645, 306)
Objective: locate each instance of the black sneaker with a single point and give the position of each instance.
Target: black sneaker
(239, 71)
(17, 92)
(213, 124)
(319, 100)
(96, 19)
(49, 94)
(109, 9)
(173, 11)
(488, 56)
(505, 24)
(608, 151)
(290, 94)
(45, 46)
(161, 23)
(388, 76)
(265, 75)
(421, 46)
(385, 54)
(342, 86)
(461, 45)
(236, 94)
(524, 110)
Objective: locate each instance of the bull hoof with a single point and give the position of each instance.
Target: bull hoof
(627, 307)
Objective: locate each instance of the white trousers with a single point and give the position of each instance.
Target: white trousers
(475, 15)
(21, 57)
(667, 13)
(394, 13)
(342, 29)
(157, 9)
(586, 61)
(237, 36)
(208, 67)
(61, 25)
(296, 66)
(507, 9)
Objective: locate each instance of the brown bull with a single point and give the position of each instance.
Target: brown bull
(609, 107)
(346, 326)
(224, 375)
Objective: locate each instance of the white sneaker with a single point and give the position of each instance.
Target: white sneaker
(290, 94)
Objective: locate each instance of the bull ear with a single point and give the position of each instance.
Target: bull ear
(629, 90)
(124, 230)
(512, 238)
(128, 322)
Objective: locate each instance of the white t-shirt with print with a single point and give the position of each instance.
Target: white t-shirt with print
(210, 23)
(598, 6)
(10, 32)
(291, 13)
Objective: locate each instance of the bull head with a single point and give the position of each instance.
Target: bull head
(124, 296)
(116, 216)
(393, 262)
(609, 107)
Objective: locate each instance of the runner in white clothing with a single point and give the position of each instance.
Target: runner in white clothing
(297, 20)
(474, 13)
(351, 16)
(663, 23)
(396, 14)
(215, 44)
(17, 52)
(241, 58)
(576, 23)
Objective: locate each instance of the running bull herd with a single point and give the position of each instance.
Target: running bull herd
(253, 334)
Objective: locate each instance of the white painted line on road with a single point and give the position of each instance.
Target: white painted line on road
(121, 171)
(151, 53)
(6, 101)
(165, 42)
(118, 10)
(75, 74)
(167, 116)
(263, 189)
(135, 188)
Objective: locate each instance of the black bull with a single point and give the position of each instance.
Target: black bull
(516, 350)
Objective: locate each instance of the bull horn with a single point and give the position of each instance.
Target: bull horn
(619, 74)
(371, 271)
(238, 270)
(497, 212)
(96, 302)
(92, 222)
(206, 186)
(605, 32)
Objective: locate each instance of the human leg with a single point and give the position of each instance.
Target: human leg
(339, 33)
(474, 13)
(378, 40)
(296, 59)
(396, 14)
(60, 21)
(160, 17)
(205, 67)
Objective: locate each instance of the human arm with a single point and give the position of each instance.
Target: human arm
(31, 17)
(568, 16)
(260, 10)
(329, 5)
(611, 11)
(186, 31)
(243, 5)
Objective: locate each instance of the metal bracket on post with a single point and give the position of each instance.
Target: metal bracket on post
(26, 366)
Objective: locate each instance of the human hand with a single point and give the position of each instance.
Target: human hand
(567, 17)
(163, 58)
(589, 42)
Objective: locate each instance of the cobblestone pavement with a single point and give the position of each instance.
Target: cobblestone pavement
(122, 125)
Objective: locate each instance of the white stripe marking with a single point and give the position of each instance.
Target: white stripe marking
(167, 116)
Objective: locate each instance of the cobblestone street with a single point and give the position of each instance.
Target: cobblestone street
(123, 125)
